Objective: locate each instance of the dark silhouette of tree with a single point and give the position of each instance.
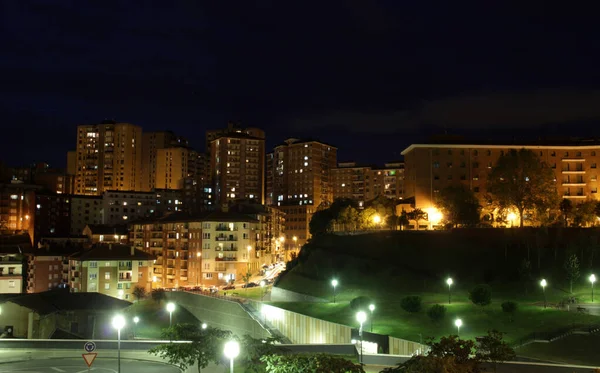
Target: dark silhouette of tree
(481, 295)
(459, 206)
(585, 214)
(417, 215)
(566, 208)
(572, 270)
(139, 292)
(522, 181)
(158, 295)
(493, 349)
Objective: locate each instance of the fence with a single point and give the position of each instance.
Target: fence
(547, 337)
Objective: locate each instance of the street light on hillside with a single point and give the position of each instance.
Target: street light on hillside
(592, 280)
(449, 282)
(136, 320)
(371, 308)
(543, 284)
(458, 323)
(361, 317)
(334, 283)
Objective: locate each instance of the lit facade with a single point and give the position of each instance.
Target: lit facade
(17, 207)
(431, 167)
(85, 210)
(108, 157)
(111, 269)
(365, 183)
(301, 181)
(11, 271)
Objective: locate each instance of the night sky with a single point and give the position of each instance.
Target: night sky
(367, 76)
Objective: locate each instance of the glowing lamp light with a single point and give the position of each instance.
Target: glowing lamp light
(376, 219)
(511, 216)
(434, 215)
(118, 322)
(334, 283)
(170, 307)
(361, 317)
(543, 283)
(371, 307)
(136, 319)
(592, 278)
(449, 282)
(458, 323)
(231, 349)
(204, 326)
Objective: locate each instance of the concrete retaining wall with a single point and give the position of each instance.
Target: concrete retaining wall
(220, 313)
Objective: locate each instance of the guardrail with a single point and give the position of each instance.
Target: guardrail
(77, 344)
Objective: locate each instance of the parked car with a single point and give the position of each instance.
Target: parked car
(250, 285)
(229, 287)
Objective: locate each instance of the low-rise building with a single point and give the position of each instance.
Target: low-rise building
(107, 233)
(59, 314)
(111, 269)
(12, 261)
(48, 265)
(85, 210)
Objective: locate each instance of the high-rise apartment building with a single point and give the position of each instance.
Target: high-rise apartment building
(152, 144)
(365, 183)
(174, 166)
(110, 269)
(85, 210)
(238, 166)
(301, 181)
(432, 167)
(108, 157)
(52, 215)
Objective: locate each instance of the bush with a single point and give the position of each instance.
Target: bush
(436, 312)
(411, 303)
(360, 303)
(510, 308)
(481, 295)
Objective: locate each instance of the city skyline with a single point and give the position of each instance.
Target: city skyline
(382, 76)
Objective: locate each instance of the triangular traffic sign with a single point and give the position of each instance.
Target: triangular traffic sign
(89, 358)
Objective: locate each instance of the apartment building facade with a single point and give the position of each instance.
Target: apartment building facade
(238, 167)
(17, 207)
(108, 157)
(301, 182)
(365, 183)
(52, 215)
(152, 142)
(174, 166)
(110, 269)
(432, 167)
(85, 210)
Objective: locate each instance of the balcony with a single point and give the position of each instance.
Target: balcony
(573, 183)
(229, 259)
(221, 269)
(573, 172)
(125, 278)
(171, 277)
(229, 249)
(183, 278)
(573, 159)
(125, 267)
(575, 196)
(225, 228)
(224, 238)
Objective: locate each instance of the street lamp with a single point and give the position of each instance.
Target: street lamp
(118, 322)
(543, 284)
(592, 280)
(262, 286)
(334, 283)
(449, 282)
(458, 323)
(376, 219)
(135, 321)
(371, 308)
(231, 351)
(170, 309)
(511, 217)
(361, 317)
(204, 326)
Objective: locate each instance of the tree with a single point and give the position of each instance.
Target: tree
(493, 349)
(436, 312)
(411, 304)
(459, 206)
(520, 180)
(360, 303)
(367, 218)
(481, 295)
(253, 349)
(139, 292)
(314, 363)
(403, 219)
(510, 308)
(246, 278)
(349, 219)
(320, 223)
(585, 214)
(525, 272)
(417, 215)
(158, 295)
(572, 270)
(566, 209)
(205, 347)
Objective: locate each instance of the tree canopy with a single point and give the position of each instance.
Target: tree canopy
(459, 206)
(522, 181)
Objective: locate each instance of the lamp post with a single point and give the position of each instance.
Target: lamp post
(361, 317)
(170, 309)
(262, 287)
(334, 283)
(231, 351)
(281, 240)
(592, 280)
(118, 322)
(371, 308)
(376, 220)
(295, 243)
(135, 321)
(543, 284)
(449, 282)
(458, 323)
(204, 326)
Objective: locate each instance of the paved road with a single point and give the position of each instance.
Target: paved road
(525, 368)
(79, 366)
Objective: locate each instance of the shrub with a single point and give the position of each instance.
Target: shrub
(360, 303)
(510, 308)
(436, 312)
(411, 303)
(481, 295)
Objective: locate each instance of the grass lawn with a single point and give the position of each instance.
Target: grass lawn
(389, 318)
(583, 350)
(154, 317)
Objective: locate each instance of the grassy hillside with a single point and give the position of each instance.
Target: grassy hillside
(387, 266)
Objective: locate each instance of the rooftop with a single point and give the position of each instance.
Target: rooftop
(293, 141)
(120, 229)
(111, 252)
(62, 300)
